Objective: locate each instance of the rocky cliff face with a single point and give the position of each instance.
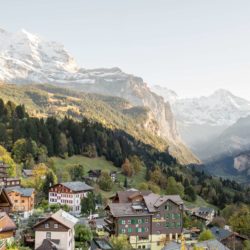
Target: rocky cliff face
(242, 163)
(26, 58)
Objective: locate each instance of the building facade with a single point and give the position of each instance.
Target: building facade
(5, 181)
(57, 230)
(149, 220)
(70, 194)
(23, 200)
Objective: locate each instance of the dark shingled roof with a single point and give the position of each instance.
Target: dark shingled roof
(124, 209)
(26, 192)
(77, 186)
(205, 210)
(125, 196)
(211, 244)
(100, 244)
(49, 245)
(220, 233)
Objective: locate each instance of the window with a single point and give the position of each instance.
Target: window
(178, 224)
(146, 220)
(177, 216)
(139, 221)
(123, 222)
(16, 201)
(129, 221)
(158, 224)
(123, 230)
(146, 229)
(167, 225)
(158, 215)
(55, 225)
(23, 201)
(134, 221)
(168, 207)
(167, 216)
(139, 230)
(48, 235)
(46, 225)
(130, 230)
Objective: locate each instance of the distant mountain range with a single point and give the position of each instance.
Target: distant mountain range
(216, 128)
(25, 58)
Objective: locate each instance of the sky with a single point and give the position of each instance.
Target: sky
(191, 46)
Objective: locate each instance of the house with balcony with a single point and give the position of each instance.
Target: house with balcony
(149, 220)
(23, 200)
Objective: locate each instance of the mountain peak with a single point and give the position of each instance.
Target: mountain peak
(222, 92)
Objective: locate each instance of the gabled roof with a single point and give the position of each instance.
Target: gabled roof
(25, 192)
(100, 244)
(220, 233)
(4, 196)
(77, 186)
(205, 210)
(126, 196)
(61, 217)
(153, 201)
(49, 245)
(6, 223)
(125, 209)
(28, 172)
(212, 244)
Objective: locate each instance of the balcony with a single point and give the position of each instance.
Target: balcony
(108, 221)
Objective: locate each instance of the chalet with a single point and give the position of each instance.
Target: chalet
(8, 229)
(228, 238)
(5, 202)
(27, 173)
(94, 174)
(23, 200)
(149, 220)
(55, 232)
(206, 212)
(69, 193)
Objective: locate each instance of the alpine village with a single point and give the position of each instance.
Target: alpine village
(97, 159)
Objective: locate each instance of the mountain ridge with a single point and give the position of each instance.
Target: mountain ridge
(26, 58)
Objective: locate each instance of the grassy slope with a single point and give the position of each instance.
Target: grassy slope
(98, 163)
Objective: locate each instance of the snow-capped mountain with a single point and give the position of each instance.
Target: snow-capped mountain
(222, 108)
(27, 58)
(168, 94)
(202, 120)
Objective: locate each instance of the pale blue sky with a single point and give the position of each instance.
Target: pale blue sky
(190, 46)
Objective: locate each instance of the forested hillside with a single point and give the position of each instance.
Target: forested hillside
(32, 140)
(111, 112)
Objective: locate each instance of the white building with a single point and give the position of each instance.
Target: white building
(56, 232)
(70, 194)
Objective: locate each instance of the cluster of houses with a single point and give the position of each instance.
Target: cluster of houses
(148, 220)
